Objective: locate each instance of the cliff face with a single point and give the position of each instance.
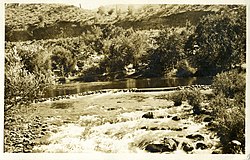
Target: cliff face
(158, 22)
(61, 21)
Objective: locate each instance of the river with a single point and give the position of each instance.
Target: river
(79, 87)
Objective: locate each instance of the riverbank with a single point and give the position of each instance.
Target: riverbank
(117, 122)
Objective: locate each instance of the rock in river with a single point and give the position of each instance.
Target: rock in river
(156, 148)
(208, 119)
(196, 137)
(148, 115)
(187, 147)
(201, 145)
(168, 145)
(176, 118)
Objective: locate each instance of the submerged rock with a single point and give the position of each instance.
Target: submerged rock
(154, 128)
(160, 117)
(144, 127)
(111, 109)
(176, 129)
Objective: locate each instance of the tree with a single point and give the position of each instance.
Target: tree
(93, 39)
(168, 51)
(111, 11)
(118, 12)
(63, 60)
(219, 41)
(35, 58)
(131, 10)
(126, 48)
(101, 10)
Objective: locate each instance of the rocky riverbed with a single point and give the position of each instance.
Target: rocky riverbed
(111, 122)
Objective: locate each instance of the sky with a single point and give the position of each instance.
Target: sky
(93, 4)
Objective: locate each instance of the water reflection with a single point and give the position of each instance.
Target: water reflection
(131, 83)
(79, 87)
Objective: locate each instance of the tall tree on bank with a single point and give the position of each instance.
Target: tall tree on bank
(219, 41)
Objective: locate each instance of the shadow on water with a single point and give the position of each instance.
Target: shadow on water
(79, 87)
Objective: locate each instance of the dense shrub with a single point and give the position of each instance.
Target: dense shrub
(178, 97)
(127, 48)
(230, 84)
(230, 118)
(229, 110)
(34, 57)
(195, 98)
(21, 86)
(184, 69)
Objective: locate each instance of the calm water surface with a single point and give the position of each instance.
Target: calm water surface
(79, 87)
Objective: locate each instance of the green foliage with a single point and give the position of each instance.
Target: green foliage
(229, 109)
(230, 84)
(178, 97)
(63, 60)
(128, 47)
(184, 69)
(195, 98)
(230, 123)
(169, 49)
(35, 58)
(23, 15)
(131, 10)
(93, 40)
(21, 86)
(111, 11)
(221, 41)
(101, 10)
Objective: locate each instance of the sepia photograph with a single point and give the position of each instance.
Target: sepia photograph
(125, 78)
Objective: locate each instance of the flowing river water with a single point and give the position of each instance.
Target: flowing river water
(79, 87)
(116, 122)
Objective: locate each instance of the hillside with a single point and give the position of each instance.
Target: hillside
(23, 15)
(50, 21)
